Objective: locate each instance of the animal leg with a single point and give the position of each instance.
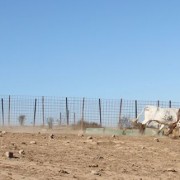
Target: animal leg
(160, 129)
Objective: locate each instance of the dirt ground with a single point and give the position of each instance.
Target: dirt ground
(69, 156)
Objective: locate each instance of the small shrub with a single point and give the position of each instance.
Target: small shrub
(22, 119)
(124, 132)
(50, 121)
(124, 123)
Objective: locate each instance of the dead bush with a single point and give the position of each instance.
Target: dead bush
(124, 122)
(22, 119)
(50, 121)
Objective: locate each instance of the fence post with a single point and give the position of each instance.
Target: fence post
(60, 118)
(67, 112)
(74, 118)
(120, 112)
(135, 108)
(35, 112)
(170, 104)
(82, 119)
(158, 103)
(9, 110)
(2, 104)
(100, 112)
(43, 109)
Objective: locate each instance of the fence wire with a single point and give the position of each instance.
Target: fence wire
(67, 111)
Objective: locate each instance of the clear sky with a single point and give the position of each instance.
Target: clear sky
(91, 48)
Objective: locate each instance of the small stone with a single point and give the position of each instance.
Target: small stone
(143, 147)
(89, 137)
(113, 136)
(80, 134)
(13, 143)
(9, 154)
(100, 157)
(33, 142)
(21, 152)
(93, 165)
(156, 139)
(124, 170)
(101, 169)
(63, 171)
(51, 136)
(3, 132)
(171, 170)
(95, 173)
(23, 143)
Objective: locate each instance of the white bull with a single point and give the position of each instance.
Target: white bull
(162, 116)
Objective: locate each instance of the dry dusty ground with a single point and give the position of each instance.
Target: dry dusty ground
(69, 156)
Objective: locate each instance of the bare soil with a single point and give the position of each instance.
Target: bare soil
(69, 156)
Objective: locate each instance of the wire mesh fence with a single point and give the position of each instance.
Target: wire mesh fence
(68, 111)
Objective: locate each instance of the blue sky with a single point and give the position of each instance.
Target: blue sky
(91, 48)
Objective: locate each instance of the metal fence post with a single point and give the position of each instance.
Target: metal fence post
(120, 113)
(100, 118)
(74, 118)
(35, 112)
(82, 119)
(43, 109)
(67, 112)
(158, 103)
(9, 110)
(170, 104)
(2, 104)
(60, 118)
(135, 108)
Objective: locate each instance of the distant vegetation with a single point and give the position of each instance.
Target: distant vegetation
(50, 122)
(22, 119)
(125, 122)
